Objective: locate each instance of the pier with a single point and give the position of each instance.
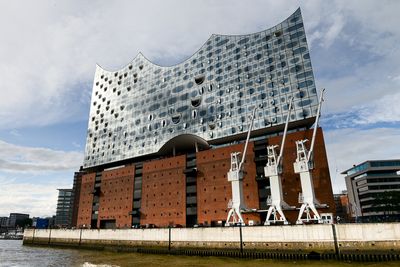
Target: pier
(356, 242)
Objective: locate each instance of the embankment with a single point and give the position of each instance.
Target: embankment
(363, 242)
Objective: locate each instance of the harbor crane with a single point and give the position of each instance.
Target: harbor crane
(273, 171)
(235, 175)
(304, 165)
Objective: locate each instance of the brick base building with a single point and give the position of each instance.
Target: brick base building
(160, 138)
(192, 188)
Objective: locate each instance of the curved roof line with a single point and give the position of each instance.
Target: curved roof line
(183, 140)
(140, 54)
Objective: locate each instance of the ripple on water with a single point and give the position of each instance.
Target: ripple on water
(88, 264)
(14, 254)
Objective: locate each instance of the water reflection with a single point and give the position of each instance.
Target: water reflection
(12, 253)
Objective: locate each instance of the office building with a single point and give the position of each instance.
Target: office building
(342, 207)
(17, 220)
(64, 208)
(374, 190)
(3, 221)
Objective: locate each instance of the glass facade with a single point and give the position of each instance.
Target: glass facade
(372, 164)
(358, 168)
(385, 163)
(139, 108)
(64, 207)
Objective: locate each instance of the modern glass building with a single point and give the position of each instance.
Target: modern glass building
(370, 186)
(138, 109)
(17, 220)
(160, 137)
(3, 221)
(64, 207)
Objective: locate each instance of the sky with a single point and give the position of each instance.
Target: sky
(49, 51)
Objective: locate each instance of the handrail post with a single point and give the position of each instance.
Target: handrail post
(241, 238)
(169, 238)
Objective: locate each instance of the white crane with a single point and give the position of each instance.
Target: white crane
(303, 165)
(235, 176)
(273, 170)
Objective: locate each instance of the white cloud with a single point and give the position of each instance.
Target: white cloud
(385, 109)
(32, 198)
(346, 147)
(30, 177)
(76, 145)
(15, 133)
(14, 158)
(49, 49)
(382, 110)
(354, 49)
(334, 29)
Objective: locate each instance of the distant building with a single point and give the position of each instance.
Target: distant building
(64, 207)
(43, 223)
(342, 207)
(17, 219)
(40, 223)
(76, 190)
(52, 220)
(373, 189)
(34, 221)
(3, 221)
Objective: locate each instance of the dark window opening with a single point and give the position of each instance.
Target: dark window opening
(196, 102)
(199, 79)
(176, 118)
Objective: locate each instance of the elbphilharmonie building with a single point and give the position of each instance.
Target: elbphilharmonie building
(159, 137)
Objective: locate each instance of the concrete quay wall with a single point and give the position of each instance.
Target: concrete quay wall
(325, 241)
(368, 237)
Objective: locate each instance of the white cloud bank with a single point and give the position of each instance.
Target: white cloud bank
(35, 199)
(30, 177)
(21, 159)
(49, 48)
(385, 109)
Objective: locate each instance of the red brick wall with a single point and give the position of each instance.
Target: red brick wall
(86, 200)
(164, 192)
(116, 196)
(213, 189)
(77, 191)
(291, 182)
(164, 188)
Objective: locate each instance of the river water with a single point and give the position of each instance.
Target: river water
(13, 253)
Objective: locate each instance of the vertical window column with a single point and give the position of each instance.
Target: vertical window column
(191, 189)
(260, 152)
(137, 195)
(96, 199)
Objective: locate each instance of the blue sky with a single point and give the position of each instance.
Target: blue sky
(49, 50)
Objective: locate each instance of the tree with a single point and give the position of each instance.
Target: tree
(25, 223)
(387, 202)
